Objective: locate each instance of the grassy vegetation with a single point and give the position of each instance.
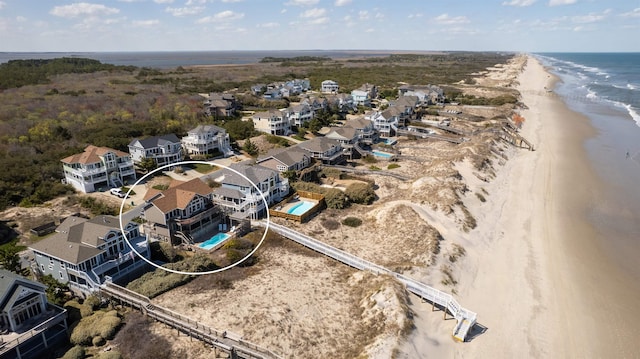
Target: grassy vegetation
(392, 166)
(42, 121)
(103, 324)
(154, 283)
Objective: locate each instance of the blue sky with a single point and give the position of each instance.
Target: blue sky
(176, 25)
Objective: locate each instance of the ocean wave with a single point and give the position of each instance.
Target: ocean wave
(632, 87)
(630, 109)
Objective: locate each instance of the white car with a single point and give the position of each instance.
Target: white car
(117, 192)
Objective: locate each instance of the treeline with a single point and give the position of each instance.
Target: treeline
(295, 59)
(18, 73)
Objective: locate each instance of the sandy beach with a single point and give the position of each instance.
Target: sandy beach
(536, 270)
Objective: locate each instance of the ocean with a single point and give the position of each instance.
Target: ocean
(605, 87)
(171, 59)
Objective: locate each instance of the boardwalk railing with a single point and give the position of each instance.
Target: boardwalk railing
(228, 342)
(465, 318)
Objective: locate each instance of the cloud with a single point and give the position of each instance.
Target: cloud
(82, 9)
(319, 21)
(184, 11)
(411, 16)
(445, 19)
(519, 3)
(561, 2)
(163, 1)
(633, 13)
(145, 23)
(313, 13)
(363, 14)
(231, 1)
(2, 4)
(342, 2)
(302, 2)
(268, 25)
(591, 17)
(223, 16)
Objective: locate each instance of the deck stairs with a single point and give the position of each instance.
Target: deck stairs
(464, 317)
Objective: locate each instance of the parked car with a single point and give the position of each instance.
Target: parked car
(117, 192)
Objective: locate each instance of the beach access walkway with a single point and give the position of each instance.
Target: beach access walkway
(222, 341)
(368, 172)
(465, 318)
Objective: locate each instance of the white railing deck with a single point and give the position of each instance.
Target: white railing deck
(465, 318)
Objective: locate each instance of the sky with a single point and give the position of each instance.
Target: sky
(211, 25)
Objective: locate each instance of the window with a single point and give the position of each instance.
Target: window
(60, 274)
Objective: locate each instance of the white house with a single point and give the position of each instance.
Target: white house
(85, 253)
(272, 121)
(164, 150)
(298, 115)
(98, 168)
(329, 86)
(385, 122)
(240, 199)
(363, 95)
(206, 139)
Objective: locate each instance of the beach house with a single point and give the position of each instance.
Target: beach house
(272, 121)
(363, 95)
(299, 114)
(207, 140)
(85, 253)
(98, 169)
(219, 104)
(29, 324)
(325, 150)
(385, 122)
(182, 213)
(286, 159)
(239, 198)
(163, 150)
(329, 86)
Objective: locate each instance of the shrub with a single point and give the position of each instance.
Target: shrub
(336, 199)
(92, 302)
(98, 341)
(101, 323)
(161, 187)
(75, 311)
(374, 168)
(481, 197)
(109, 355)
(154, 283)
(178, 170)
(77, 352)
(362, 193)
(352, 221)
(392, 166)
(369, 159)
(332, 173)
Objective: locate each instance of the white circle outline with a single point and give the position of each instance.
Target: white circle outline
(124, 200)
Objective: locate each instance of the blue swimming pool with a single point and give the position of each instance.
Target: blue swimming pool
(382, 154)
(300, 208)
(214, 241)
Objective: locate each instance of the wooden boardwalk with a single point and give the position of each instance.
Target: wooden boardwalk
(466, 319)
(224, 341)
(368, 172)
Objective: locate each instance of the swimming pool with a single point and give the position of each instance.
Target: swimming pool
(390, 141)
(300, 208)
(382, 154)
(214, 241)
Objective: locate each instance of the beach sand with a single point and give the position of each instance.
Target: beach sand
(536, 270)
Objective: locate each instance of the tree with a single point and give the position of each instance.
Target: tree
(291, 175)
(250, 147)
(56, 291)
(147, 164)
(10, 260)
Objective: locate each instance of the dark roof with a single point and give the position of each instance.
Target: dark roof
(319, 144)
(207, 128)
(156, 141)
(254, 173)
(9, 284)
(288, 156)
(76, 239)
